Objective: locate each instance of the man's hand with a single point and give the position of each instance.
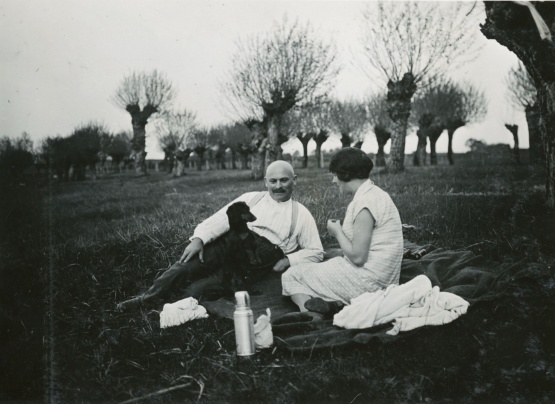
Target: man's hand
(195, 247)
(282, 265)
(334, 227)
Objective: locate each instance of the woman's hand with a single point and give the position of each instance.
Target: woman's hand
(334, 227)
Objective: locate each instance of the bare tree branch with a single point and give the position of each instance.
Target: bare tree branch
(173, 128)
(520, 87)
(421, 38)
(272, 73)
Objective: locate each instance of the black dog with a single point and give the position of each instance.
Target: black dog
(244, 265)
(237, 258)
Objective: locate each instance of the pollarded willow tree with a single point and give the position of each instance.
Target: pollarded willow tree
(446, 106)
(408, 43)
(297, 123)
(323, 124)
(199, 142)
(84, 146)
(173, 128)
(273, 72)
(429, 112)
(238, 139)
(348, 118)
(142, 95)
(527, 29)
(470, 106)
(310, 122)
(521, 92)
(119, 148)
(379, 121)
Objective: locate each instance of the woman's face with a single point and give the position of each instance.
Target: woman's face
(340, 184)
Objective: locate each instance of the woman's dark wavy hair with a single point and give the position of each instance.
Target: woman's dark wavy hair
(351, 163)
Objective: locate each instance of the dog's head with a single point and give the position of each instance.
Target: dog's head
(239, 212)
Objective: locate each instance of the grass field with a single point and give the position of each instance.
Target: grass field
(72, 250)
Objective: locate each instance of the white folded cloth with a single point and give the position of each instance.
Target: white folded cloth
(411, 305)
(263, 336)
(180, 312)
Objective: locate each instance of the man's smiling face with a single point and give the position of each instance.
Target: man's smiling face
(280, 180)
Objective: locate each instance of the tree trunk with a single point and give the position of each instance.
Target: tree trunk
(399, 95)
(180, 169)
(319, 154)
(434, 132)
(244, 155)
(535, 149)
(258, 158)
(380, 156)
(258, 165)
(139, 142)
(547, 126)
(305, 138)
(272, 147)
(382, 136)
(452, 125)
(169, 160)
(233, 159)
(200, 161)
(320, 139)
(305, 154)
(516, 149)
(259, 143)
(433, 154)
(512, 26)
(450, 133)
(420, 154)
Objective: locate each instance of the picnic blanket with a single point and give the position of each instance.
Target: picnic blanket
(462, 273)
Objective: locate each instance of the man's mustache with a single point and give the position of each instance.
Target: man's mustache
(279, 190)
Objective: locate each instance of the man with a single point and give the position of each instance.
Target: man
(285, 224)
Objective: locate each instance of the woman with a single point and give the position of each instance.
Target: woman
(371, 239)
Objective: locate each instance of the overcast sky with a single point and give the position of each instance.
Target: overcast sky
(61, 60)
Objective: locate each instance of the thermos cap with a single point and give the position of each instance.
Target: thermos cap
(242, 299)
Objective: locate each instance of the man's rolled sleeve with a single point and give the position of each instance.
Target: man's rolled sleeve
(311, 249)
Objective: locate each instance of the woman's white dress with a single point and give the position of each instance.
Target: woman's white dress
(338, 278)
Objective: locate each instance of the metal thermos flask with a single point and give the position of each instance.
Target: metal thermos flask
(244, 324)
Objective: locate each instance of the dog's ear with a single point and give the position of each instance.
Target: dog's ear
(233, 213)
(239, 212)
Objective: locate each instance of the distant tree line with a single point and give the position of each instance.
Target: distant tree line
(16, 154)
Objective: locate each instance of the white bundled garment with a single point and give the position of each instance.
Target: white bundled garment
(263, 336)
(412, 305)
(180, 312)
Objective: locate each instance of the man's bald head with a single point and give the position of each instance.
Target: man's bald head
(280, 180)
(280, 166)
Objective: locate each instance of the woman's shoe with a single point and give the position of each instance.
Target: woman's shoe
(319, 305)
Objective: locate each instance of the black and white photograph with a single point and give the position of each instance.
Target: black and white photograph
(277, 201)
